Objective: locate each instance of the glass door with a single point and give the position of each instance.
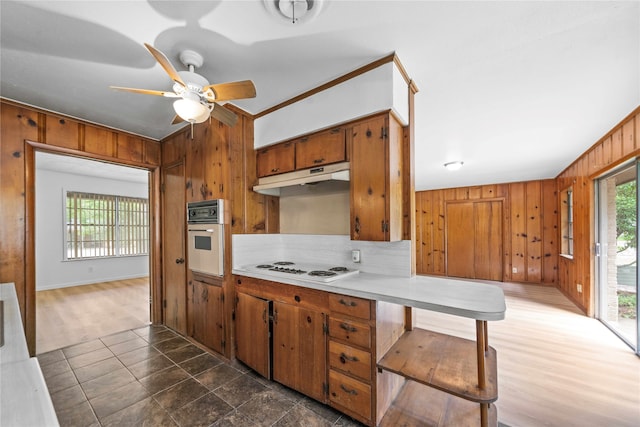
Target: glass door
(617, 254)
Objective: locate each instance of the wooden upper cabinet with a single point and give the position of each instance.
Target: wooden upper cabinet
(276, 159)
(376, 179)
(322, 148)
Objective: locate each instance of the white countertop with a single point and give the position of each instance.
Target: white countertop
(458, 297)
(24, 397)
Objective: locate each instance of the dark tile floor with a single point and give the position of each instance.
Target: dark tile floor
(154, 377)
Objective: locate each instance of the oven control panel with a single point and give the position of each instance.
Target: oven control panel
(205, 212)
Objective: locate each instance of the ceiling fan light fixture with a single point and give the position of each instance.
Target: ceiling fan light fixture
(191, 111)
(453, 166)
(294, 11)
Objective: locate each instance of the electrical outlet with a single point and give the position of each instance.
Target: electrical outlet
(355, 255)
(514, 270)
(579, 287)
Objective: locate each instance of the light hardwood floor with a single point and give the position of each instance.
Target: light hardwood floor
(556, 367)
(72, 315)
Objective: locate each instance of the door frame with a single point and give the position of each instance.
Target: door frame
(601, 275)
(155, 284)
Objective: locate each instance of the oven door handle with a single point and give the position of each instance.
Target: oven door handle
(208, 230)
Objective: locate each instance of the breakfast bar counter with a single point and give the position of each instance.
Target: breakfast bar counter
(474, 300)
(448, 380)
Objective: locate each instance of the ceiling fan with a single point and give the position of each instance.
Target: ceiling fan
(198, 100)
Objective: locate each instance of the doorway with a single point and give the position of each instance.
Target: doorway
(100, 268)
(617, 253)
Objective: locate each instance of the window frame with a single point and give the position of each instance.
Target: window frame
(567, 222)
(142, 236)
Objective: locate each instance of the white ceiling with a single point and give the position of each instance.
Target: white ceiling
(516, 90)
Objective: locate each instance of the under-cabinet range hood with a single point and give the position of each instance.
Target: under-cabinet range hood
(271, 185)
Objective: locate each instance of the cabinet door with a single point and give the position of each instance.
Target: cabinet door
(300, 349)
(321, 149)
(474, 240)
(368, 180)
(276, 159)
(174, 283)
(252, 333)
(208, 326)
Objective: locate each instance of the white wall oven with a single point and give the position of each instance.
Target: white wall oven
(205, 225)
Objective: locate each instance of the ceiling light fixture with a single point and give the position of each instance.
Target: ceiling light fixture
(453, 166)
(294, 11)
(191, 111)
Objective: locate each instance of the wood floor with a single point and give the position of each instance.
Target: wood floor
(67, 316)
(556, 367)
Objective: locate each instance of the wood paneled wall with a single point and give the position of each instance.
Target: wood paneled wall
(220, 163)
(619, 145)
(529, 227)
(24, 130)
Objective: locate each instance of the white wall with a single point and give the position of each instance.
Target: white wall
(51, 271)
(380, 89)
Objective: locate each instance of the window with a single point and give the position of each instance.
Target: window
(566, 218)
(100, 225)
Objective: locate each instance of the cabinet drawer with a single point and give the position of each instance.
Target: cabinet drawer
(351, 360)
(350, 393)
(355, 333)
(351, 306)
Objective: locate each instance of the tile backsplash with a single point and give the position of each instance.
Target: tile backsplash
(388, 258)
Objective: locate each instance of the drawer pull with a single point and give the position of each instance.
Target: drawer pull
(347, 303)
(275, 169)
(344, 358)
(347, 327)
(317, 161)
(348, 391)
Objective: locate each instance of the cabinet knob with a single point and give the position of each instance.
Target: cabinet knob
(347, 303)
(275, 169)
(180, 261)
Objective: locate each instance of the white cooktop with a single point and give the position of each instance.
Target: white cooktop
(320, 273)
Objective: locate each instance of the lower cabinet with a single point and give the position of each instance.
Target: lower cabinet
(300, 349)
(318, 343)
(252, 329)
(208, 315)
(351, 335)
(281, 334)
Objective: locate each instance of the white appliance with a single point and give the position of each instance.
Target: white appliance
(205, 226)
(310, 272)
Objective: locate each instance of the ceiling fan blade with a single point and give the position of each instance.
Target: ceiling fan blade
(224, 115)
(147, 91)
(232, 90)
(162, 60)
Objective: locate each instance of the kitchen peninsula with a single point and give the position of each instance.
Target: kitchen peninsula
(380, 370)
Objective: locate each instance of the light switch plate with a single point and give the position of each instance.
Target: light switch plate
(355, 255)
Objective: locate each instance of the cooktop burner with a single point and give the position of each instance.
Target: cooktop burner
(322, 273)
(307, 271)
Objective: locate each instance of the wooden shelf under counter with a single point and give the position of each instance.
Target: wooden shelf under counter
(419, 405)
(443, 362)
